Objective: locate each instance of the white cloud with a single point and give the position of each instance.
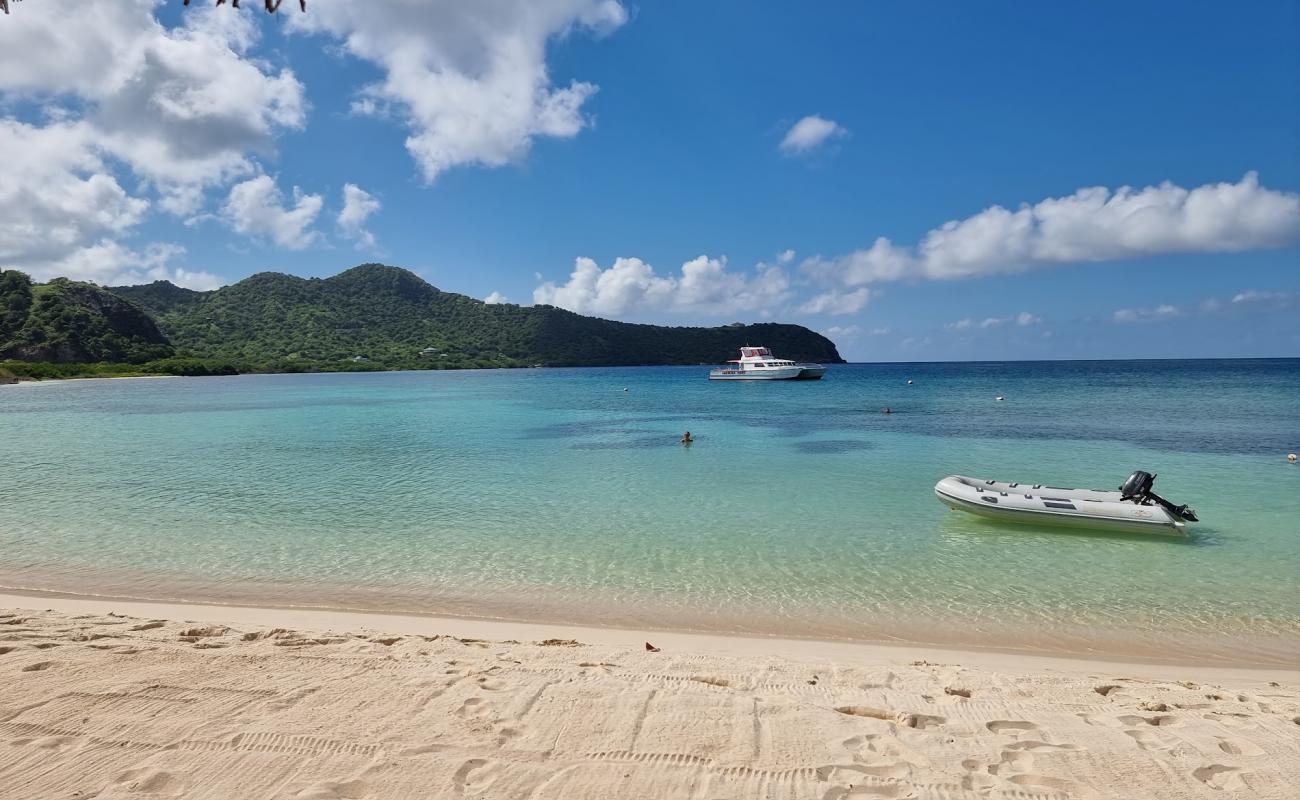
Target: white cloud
(256, 208)
(183, 107)
(1256, 296)
(58, 197)
(810, 133)
(1023, 319)
(358, 205)
(469, 79)
(1250, 301)
(631, 285)
(837, 302)
(1146, 314)
(785, 257)
(842, 331)
(880, 331)
(1092, 224)
(496, 298)
(111, 263)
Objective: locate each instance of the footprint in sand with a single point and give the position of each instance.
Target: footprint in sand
(1160, 720)
(1013, 761)
(473, 707)
(476, 776)
(1219, 776)
(39, 666)
(1012, 727)
(1150, 740)
(152, 781)
(1239, 747)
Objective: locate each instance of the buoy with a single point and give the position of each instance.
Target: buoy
(1291, 457)
(999, 397)
(909, 383)
(625, 388)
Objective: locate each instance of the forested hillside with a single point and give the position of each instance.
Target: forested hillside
(368, 317)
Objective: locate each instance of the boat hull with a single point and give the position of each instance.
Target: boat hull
(783, 374)
(811, 372)
(1045, 505)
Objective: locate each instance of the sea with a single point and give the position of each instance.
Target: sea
(565, 495)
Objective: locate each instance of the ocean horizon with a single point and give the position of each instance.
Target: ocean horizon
(563, 495)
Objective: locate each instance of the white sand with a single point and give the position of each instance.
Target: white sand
(265, 703)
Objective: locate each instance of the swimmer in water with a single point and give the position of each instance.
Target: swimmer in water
(888, 410)
(686, 438)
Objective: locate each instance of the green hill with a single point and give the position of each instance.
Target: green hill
(66, 321)
(369, 317)
(389, 315)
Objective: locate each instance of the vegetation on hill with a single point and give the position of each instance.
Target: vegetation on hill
(389, 316)
(366, 318)
(68, 321)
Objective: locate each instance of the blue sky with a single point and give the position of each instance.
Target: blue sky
(493, 146)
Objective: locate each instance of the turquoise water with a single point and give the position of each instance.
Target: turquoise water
(554, 494)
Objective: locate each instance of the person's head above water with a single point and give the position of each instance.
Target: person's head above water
(686, 437)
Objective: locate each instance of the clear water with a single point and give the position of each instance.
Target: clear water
(556, 495)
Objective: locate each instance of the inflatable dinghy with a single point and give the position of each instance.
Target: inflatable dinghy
(1133, 509)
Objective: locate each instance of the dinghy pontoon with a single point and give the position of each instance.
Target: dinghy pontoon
(1133, 509)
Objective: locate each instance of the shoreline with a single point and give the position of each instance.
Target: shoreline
(1222, 646)
(713, 643)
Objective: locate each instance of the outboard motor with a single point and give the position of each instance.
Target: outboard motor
(1138, 489)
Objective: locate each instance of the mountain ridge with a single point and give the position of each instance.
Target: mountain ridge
(382, 317)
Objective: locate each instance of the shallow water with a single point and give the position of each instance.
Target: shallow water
(554, 494)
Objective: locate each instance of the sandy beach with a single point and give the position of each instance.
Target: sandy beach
(108, 699)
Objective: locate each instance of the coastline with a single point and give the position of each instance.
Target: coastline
(716, 643)
(108, 699)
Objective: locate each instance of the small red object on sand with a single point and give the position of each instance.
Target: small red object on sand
(651, 648)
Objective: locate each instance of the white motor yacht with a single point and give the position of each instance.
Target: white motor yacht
(758, 364)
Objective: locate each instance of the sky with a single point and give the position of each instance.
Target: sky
(940, 181)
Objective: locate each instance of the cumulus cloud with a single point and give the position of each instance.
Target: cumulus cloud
(1146, 314)
(704, 285)
(810, 133)
(1022, 320)
(256, 208)
(183, 107)
(842, 332)
(785, 257)
(358, 205)
(837, 302)
(469, 80)
(1093, 224)
(59, 196)
(1251, 296)
(496, 298)
(1249, 301)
